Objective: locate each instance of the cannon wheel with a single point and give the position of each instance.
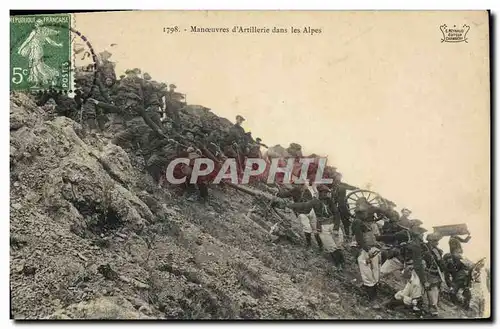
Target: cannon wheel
(351, 198)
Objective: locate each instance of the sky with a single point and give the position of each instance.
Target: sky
(393, 107)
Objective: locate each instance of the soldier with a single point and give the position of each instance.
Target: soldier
(324, 212)
(173, 104)
(130, 105)
(254, 150)
(89, 110)
(405, 214)
(392, 224)
(237, 132)
(295, 150)
(430, 270)
(339, 192)
(400, 255)
(152, 99)
(258, 140)
(409, 256)
(369, 257)
(106, 67)
(455, 244)
(458, 277)
(130, 99)
(301, 194)
(192, 153)
(330, 233)
(213, 143)
(160, 152)
(109, 90)
(236, 142)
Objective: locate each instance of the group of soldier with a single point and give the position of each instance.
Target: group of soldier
(386, 243)
(144, 116)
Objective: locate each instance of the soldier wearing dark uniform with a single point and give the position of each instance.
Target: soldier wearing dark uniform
(258, 140)
(89, 110)
(132, 115)
(109, 90)
(339, 192)
(106, 67)
(237, 133)
(173, 104)
(369, 258)
(152, 99)
(404, 219)
(160, 152)
(130, 99)
(407, 249)
(301, 194)
(458, 277)
(429, 267)
(213, 143)
(235, 144)
(455, 244)
(327, 217)
(392, 225)
(397, 257)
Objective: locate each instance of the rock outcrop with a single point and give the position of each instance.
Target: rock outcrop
(92, 237)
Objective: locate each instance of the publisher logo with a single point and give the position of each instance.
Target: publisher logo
(455, 33)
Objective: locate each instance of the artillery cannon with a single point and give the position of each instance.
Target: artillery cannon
(358, 196)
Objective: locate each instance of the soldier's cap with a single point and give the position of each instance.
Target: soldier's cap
(433, 236)
(258, 139)
(122, 76)
(129, 71)
(136, 70)
(172, 85)
(147, 76)
(239, 117)
(406, 209)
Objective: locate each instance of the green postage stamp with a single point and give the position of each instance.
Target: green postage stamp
(40, 52)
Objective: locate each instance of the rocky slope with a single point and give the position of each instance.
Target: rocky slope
(93, 237)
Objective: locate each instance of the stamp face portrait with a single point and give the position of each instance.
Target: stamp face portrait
(40, 54)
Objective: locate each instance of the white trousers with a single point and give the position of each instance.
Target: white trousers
(308, 222)
(332, 240)
(370, 272)
(433, 295)
(390, 266)
(413, 290)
